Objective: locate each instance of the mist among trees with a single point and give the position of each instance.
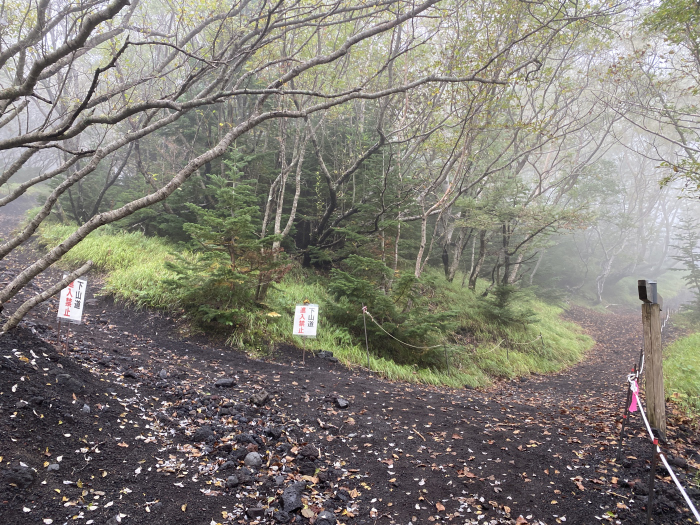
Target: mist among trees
(548, 146)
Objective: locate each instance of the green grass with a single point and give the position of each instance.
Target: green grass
(682, 372)
(134, 262)
(478, 352)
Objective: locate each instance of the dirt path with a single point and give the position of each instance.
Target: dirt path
(145, 436)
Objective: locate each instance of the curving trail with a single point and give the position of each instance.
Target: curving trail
(159, 441)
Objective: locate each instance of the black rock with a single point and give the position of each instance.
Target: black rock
(248, 438)
(156, 507)
(279, 480)
(291, 497)
(232, 481)
(38, 400)
(255, 512)
(226, 382)
(274, 433)
(324, 354)
(325, 518)
(244, 479)
(227, 465)
(21, 404)
(20, 477)
(163, 374)
(679, 462)
(204, 433)
(309, 451)
(130, 374)
(341, 403)
(53, 466)
(343, 495)
(281, 517)
(70, 382)
(238, 455)
(260, 398)
(307, 468)
(333, 359)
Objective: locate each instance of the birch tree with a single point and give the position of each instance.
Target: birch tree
(83, 84)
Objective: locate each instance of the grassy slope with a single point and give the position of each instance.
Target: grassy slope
(135, 270)
(682, 372)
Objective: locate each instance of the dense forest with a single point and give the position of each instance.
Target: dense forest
(385, 152)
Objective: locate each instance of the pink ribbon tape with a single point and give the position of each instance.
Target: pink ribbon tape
(635, 389)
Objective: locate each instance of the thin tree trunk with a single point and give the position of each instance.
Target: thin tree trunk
(421, 248)
(537, 266)
(515, 268)
(480, 261)
(460, 245)
(471, 266)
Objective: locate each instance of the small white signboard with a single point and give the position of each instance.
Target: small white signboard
(305, 320)
(70, 304)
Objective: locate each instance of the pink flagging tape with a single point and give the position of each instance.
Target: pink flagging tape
(635, 389)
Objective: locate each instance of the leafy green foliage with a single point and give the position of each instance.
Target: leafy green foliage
(235, 268)
(506, 306)
(401, 313)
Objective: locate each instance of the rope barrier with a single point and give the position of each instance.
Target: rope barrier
(655, 441)
(528, 342)
(492, 350)
(365, 311)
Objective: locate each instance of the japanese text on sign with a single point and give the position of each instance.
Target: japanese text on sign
(70, 304)
(305, 320)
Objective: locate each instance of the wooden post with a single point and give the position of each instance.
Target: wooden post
(654, 377)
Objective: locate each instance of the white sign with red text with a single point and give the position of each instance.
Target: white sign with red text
(70, 304)
(305, 320)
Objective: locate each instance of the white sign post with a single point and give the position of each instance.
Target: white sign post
(70, 304)
(305, 324)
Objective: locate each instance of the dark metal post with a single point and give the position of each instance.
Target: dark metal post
(625, 416)
(652, 479)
